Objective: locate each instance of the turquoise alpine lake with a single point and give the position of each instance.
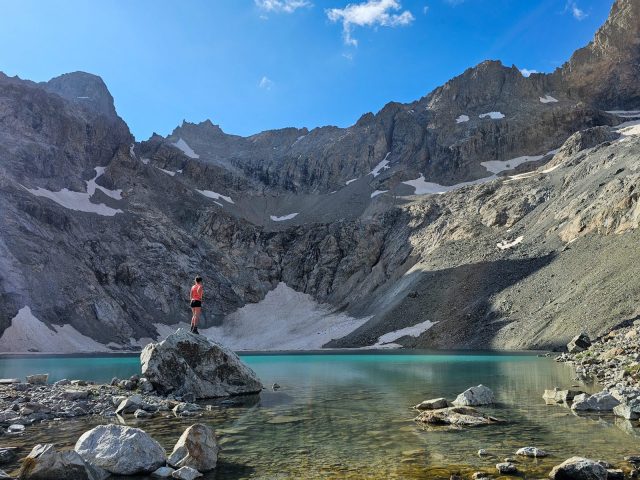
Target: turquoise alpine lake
(348, 415)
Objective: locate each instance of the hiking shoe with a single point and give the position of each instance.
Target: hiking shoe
(195, 330)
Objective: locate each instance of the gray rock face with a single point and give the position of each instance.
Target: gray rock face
(599, 402)
(578, 468)
(188, 363)
(479, 395)
(579, 343)
(197, 448)
(121, 450)
(46, 463)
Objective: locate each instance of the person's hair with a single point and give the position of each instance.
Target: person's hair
(198, 279)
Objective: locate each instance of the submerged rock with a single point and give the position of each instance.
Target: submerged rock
(532, 452)
(479, 395)
(578, 468)
(186, 473)
(433, 404)
(197, 448)
(188, 363)
(46, 463)
(163, 472)
(456, 416)
(506, 467)
(121, 450)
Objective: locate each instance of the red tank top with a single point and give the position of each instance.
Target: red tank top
(196, 292)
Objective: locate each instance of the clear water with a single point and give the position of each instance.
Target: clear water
(349, 416)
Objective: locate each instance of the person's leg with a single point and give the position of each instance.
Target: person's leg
(196, 319)
(193, 318)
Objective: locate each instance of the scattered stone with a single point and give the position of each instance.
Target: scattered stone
(15, 428)
(630, 411)
(506, 467)
(121, 450)
(79, 383)
(633, 459)
(599, 402)
(163, 472)
(578, 468)
(141, 414)
(560, 396)
(46, 463)
(456, 416)
(186, 473)
(615, 474)
(9, 381)
(38, 379)
(579, 343)
(62, 383)
(75, 394)
(433, 404)
(532, 452)
(275, 387)
(455, 476)
(184, 362)
(145, 385)
(479, 395)
(196, 448)
(129, 405)
(482, 453)
(480, 475)
(7, 455)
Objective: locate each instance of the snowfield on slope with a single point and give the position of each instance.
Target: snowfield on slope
(186, 149)
(283, 320)
(29, 334)
(81, 201)
(215, 196)
(284, 217)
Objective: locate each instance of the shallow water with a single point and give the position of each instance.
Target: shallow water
(348, 416)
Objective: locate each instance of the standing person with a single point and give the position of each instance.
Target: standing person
(197, 292)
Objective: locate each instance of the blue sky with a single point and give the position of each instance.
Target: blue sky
(252, 65)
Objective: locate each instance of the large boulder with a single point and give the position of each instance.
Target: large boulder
(456, 417)
(197, 448)
(46, 463)
(578, 468)
(121, 450)
(579, 343)
(479, 395)
(630, 411)
(600, 402)
(188, 363)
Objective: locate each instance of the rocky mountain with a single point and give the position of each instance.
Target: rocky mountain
(497, 211)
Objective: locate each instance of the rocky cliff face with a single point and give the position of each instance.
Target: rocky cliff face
(453, 221)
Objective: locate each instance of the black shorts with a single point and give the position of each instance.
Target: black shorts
(196, 303)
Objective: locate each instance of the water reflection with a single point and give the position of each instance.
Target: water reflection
(348, 416)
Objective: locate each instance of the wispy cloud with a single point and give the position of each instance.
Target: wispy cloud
(454, 2)
(285, 6)
(527, 73)
(266, 83)
(576, 11)
(369, 14)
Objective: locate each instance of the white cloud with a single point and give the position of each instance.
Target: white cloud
(527, 73)
(369, 14)
(286, 6)
(425, 9)
(266, 83)
(577, 12)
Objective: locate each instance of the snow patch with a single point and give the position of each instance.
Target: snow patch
(283, 320)
(80, 201)
(422, 187)
(284, 217)
(383, 165)
(215, 196)
(84, 98)
(349, 182)
(492, 115)
(625, 113)
(378, 192)
(298, 139)
(414, 331)
(168, 172)
(188, 151)
(497, 166)
(145, 161)
(462, 119)
(27, 333)
(629, 129)
(548, 99)
(506, 245)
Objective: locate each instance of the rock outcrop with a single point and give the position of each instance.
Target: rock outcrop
(196, 448)
(44, 462)
(188, 363)
(473, 396)
(578, 468)
(456, 417)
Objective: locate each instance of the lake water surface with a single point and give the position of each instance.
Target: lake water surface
(349, 416)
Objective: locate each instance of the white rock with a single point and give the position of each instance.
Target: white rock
(197, 448)
(189, 363)
(129, 405)
(599, 402)
(579, 468)
(531, 452)
(121, 450)
(479, 395)
(163, 472)
(433, 404)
